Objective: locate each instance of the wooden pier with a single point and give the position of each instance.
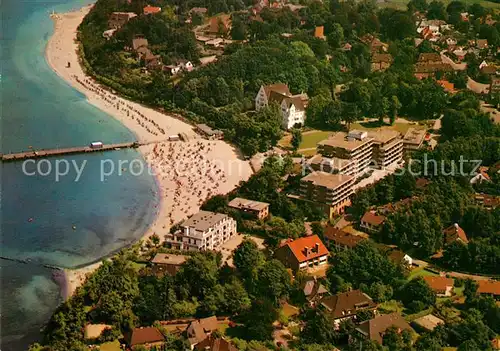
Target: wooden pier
(66, 151)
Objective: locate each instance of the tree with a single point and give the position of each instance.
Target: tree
(318, 327)
(418, 5)
(470, 290)
(236, 298)
(394, 106)
(238, 29)
(301, 49)
(198, 275)
(336, 35)
(437, 11)
(248, 259)
(417, 290)
(274, 281)
(258, 321)
(296, 138)
(396, 341)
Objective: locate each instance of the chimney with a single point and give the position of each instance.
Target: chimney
(456, 227)
(316, 247)
(306, 249)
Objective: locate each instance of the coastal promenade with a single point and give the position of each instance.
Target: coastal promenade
(66, 151)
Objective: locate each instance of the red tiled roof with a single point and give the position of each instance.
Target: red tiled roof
(488, 287)
(148, 10)
(439, 284)
(298, 248)
(447, 86)
(140, 336)
(373, 219)
(215, 344)
(454, 233)
(319, 32)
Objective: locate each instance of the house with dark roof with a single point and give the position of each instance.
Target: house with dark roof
(215, 344)
(146, 337)
(339, 239)
(167, 263)
(381, 62)
(256, 209)
(200, 329)
(372, 222)
(454, 233)
(482, 44)
(303, 253)
(374, 329)
(442, 286)
(346, 305)
(314, 291)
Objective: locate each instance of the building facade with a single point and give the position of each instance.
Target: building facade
(203, 231)
(303, 253)
(387, 148)
(333, 191)
(355, 146)
(256, 209)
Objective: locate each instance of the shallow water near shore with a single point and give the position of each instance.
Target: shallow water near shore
(63, 223)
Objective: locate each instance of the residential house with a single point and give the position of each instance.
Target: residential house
(442, 286)
(209, 133)
(332, 165)
(447, 86)
(200, 329)
(428, 322)
(314, 291)
(489, 70)
(372, 222)
(494, 85)
(481, 176)
(374, 329)
(374, 44)
(346, 305)
(489, 287)
(303, 253)
(482, 44)
(319, 32)
(167, 263)
(341, 240)
(172, 69)
(139, 43)
(414, 139)
(108, 34)
(220, 25)
(151, 10)
(147, 337)
(355, 146)
(454, 233)
(430, 63)
(256, 209)
(450, 41)
(331, 192)
(380, 62)
(152, 61)
(198, 10)
(399, 257)
(292, 106)
(119, 19)
(215, 344)
(460, 54)
(203, 231)
(387, 148)
(487, 201)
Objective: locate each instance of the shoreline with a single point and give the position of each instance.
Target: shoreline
(185, 173)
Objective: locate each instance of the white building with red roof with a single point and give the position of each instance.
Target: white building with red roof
(303, 253)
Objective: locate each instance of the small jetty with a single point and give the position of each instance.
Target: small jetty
(29, 261)
(93, 147)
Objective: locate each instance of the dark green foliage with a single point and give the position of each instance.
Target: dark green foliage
(417, 290)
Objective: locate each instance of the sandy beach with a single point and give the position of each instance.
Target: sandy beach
(187, 172)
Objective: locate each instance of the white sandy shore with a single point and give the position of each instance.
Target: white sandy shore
(187, 172)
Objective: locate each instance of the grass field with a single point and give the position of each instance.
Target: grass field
(419, 272)
(110, 346)
(401, 4)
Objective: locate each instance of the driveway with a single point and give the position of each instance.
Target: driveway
(477, 87)
(455, 66)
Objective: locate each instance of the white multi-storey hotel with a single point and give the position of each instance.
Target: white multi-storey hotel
(387, 148)
(293, 107)
(203, 231)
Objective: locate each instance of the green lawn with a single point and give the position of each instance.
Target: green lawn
(110, 346)
(401, 4)
(391, 306)
(419, 272)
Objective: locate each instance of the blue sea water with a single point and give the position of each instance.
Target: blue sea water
(63, 223)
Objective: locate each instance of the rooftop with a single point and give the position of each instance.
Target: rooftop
(373, 218)
(488, 287)
(198, 329)
(307, 248)
(439, 284)
(348, 303)
(332, 162)
(414, 136)
(428, 322)
(140, 336)
(162, 258)
(383, 135)
(207, 129)
(215, 344)
(454, 233)
(350, 141)
(342, 238)
(204, 220)
(374, 328)
(242, 203)
(327, 180)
